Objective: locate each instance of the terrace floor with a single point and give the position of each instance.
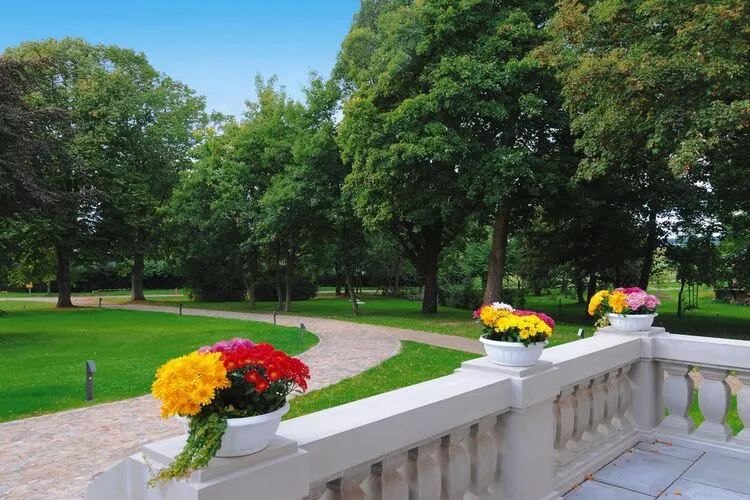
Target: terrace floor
(662, 470)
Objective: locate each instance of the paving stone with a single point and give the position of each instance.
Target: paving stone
(643, 471)
(721, 471)
(671, 450)
(690, 490)
(594, 490)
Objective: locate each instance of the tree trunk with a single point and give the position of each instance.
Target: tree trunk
(396, 285)
(648, 251)
(352, 295)
(248, 278)
(428, 261)
(679, 297)
(591, 289)
(429, 301)
(49, 287)
(496, 261)
(136, 278)
(279, 287)
(63, 278)
(579, 289)
(288, 274)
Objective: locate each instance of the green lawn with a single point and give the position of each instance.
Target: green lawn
(733, 418)
(376, 310)
(414, 364)
(43, 351)
(711, 319)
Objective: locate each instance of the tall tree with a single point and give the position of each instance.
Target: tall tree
(653, 87)
(129, 126)
(69, 222)
(144, 132)
(449, 114)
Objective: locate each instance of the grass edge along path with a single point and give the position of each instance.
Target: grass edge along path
(43, 351)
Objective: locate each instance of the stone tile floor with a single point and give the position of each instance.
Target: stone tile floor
(662, 470)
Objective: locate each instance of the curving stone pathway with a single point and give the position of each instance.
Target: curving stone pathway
(57, 455)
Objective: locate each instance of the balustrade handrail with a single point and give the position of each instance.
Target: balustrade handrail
(576, 361)
(711, 352)
(366, 431)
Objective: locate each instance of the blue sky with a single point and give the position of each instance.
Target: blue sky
(215, 47)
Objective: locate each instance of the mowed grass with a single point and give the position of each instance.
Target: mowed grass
(710, 319)
(415, 363)
(382, 311)
(43, 352)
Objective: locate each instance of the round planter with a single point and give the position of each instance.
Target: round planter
(631, 322)
(247, 435)
(512, 353)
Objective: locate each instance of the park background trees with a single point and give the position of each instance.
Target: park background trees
(476, 150)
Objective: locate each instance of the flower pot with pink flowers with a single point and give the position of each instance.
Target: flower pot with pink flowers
(626, 309)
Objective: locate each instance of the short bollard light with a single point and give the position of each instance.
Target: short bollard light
(274, 318)
(90, 370)
(302, 334)
(100, 302)
(180, 308)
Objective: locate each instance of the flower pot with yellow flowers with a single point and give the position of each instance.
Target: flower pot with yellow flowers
(513, 337)
(230, 397)
(626, 309)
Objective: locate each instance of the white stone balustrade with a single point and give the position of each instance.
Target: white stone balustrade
(715, 359)
(484, 432)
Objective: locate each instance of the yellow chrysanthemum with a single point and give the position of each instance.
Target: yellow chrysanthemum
(596, 301)
(187, 383)
(617, 301)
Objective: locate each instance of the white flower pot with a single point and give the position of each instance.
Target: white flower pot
(631, 322)
(512, 353)
(247, 435)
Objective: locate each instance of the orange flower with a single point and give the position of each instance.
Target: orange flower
(617, 301)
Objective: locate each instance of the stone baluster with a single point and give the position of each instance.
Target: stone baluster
(348, 487)
(611, 390)
(714, 398)
(598, 408)
(386, 482)
(423, 472)
(574, 446)
(483, 453)
(455, 465)
(743, 409)
(625, 392)
(319, 492)
(564, 427)
(583, 435)
(678, 398)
